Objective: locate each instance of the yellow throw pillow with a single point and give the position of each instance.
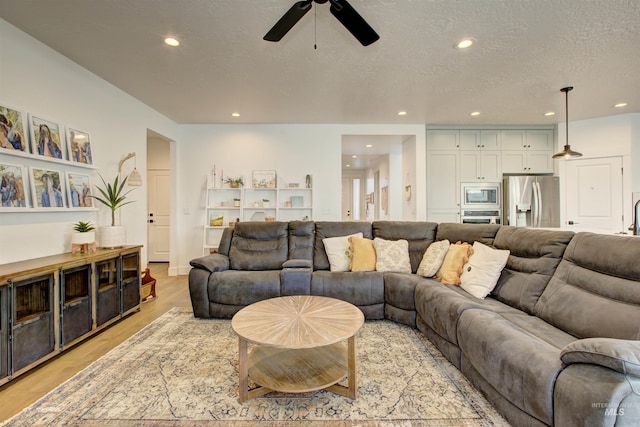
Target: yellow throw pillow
(363, 254)
(451, 268)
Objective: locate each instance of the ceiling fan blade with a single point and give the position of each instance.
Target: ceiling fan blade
(353, 22)
(288, 20)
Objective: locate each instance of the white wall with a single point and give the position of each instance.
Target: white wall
(291, 150)
(409, 178)
(604, 137)
(43, 82)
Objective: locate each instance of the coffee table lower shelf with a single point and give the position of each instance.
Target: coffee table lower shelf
(299, 370)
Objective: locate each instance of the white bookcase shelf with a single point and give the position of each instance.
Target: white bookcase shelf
(253, 204)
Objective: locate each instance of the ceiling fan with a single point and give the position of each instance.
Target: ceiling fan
(341, 9)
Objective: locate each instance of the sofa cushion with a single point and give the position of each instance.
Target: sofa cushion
(534, 257)
(595, 291)
(480, 274)
(392, 255)
(432, 259)
(362, 253)
(517, 355)
(620, 355)
(440, 306)
(301, 238)
(419, 235)
(326, 229)
(339, 252)
(454, 232)
(258, 246)
(360, 289)
(241, 288)
(451, 268)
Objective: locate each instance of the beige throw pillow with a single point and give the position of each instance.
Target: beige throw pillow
(392, 255)
(481, 273)
(363, 254)
(432, 258)
(451, 268)
(337, 249)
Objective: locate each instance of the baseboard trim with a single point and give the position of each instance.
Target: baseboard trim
(179, 271)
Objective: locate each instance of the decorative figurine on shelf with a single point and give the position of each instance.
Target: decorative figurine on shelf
(215, 182)
(308, 179)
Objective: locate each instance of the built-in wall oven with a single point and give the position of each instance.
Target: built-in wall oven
(480, 203)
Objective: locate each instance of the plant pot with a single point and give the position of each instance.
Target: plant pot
(78, 238)
(112, 236)
(234, 184)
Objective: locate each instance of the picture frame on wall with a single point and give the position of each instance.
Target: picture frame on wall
(12, 135)
(264, 179)
(46, 137)
(79, 146)
(13, 179)
(47, 188)
(79, 190)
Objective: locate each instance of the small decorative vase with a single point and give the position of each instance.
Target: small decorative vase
(87, 237)
(308, 179)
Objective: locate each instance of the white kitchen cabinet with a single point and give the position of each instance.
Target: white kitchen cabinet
(480, 166)
(527, 162)
(444, 139)
(443, 183)
(480, 140)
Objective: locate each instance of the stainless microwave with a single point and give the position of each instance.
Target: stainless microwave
(480, 195)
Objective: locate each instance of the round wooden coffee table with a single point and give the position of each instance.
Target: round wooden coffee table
(297, 345)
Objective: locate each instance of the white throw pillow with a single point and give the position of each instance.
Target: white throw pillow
(432, 258)
(337, 249)
(392, 255)
(480, 275)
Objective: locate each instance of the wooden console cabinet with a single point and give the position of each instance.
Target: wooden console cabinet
(51, 303)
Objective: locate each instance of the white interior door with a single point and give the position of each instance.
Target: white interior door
(594, 194)
(158, 215)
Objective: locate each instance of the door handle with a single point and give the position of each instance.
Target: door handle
(150, 221)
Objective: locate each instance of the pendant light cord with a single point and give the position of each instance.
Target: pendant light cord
(566, 115)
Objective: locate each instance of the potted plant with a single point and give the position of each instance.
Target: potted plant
(84, 233)
(265, 203)
(113, 196)
(234, 182)
(236, 203)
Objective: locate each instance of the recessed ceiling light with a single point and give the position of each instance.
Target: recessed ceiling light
(348, 166)
(235, 114)
(369, 145)
(549, 113)
(465, 43)
(354, 157)
(621, 105)
(402, 113)
(475, 113)
(171, 41)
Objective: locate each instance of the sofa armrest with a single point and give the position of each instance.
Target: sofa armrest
(211, 263)
(297, 263)
(620, 355)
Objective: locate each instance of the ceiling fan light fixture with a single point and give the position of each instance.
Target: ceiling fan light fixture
(567, 152)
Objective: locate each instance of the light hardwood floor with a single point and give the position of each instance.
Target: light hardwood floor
(172, 291)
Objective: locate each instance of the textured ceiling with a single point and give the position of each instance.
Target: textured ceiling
(525, 52)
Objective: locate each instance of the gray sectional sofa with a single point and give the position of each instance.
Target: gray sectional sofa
(555, 343)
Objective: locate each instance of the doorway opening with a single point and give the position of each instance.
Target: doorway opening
(376, 170)
(158, 197)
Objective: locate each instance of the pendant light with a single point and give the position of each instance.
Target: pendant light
(567, 153)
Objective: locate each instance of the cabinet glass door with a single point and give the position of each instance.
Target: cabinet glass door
(130, 281)
(107, 292)
(4, 322)
(33, 324)
(75, 303)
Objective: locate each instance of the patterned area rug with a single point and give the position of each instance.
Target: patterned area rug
(182, 371)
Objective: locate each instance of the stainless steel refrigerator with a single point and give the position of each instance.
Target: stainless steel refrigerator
(531, 201)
